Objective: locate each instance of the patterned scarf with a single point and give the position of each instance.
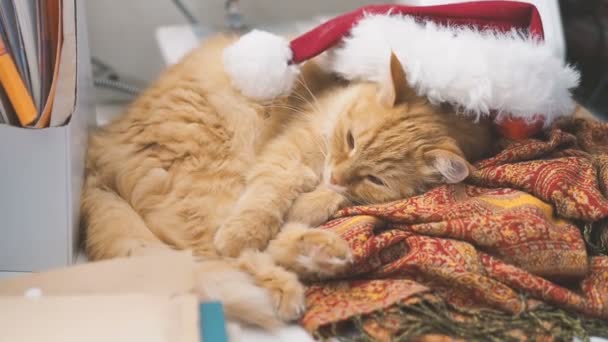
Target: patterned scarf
(517, 252)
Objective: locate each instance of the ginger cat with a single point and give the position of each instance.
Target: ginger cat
(195, 165)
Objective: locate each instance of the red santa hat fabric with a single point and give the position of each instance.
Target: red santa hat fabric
(486, 58)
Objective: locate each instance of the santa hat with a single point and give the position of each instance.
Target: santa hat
(485, 58)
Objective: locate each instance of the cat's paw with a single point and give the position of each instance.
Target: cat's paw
(311, 253)
(286, 291)
(243, 299)
(240, 233)
(316, 207)
(323, 253)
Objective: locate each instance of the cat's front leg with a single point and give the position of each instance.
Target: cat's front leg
(316, 207)
(311, 253)
(259, 212)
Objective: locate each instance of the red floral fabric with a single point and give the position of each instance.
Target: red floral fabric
(512, 229)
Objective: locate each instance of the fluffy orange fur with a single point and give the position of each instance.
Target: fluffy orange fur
(195, 165)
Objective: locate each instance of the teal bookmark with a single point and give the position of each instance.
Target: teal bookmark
(213, 323)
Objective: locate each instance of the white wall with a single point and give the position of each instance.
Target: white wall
(121, 32)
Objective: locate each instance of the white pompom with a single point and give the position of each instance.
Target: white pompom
(258, 64)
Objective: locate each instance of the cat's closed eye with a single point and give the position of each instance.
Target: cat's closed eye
(350, 140)
(375, 180)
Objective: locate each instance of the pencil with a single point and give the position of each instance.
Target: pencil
(13, 84)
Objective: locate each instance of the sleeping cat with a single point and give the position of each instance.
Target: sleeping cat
(195, 165)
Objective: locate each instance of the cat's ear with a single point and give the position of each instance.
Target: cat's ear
(452, 166)
(395, 89)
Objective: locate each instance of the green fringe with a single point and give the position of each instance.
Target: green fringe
(427, 317)
(434, 317)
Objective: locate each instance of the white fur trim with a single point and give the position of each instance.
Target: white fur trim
(258, 65)
(477, 71)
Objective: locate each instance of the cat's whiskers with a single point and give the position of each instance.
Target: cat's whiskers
(305, 101)
(290, 107)
(325, 145)
(315, 101)
(294, 109)
(322, 143)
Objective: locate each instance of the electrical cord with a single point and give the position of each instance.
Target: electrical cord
(104, 76)
(116, 85)
(110, 79)
(186, 12)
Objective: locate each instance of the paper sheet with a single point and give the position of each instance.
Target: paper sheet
(104, 318)
(168, 274)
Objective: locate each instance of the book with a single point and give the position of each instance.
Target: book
(63, 106)
(55, 38)
(32, 40)
(44, 49)
(15, 88)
